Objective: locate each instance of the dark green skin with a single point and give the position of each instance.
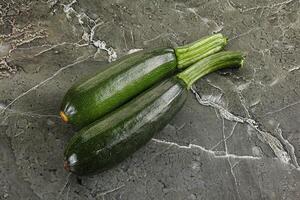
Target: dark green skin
(110, 140)
(123, 79)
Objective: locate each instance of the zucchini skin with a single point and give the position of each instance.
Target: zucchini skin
(92, 98)
(108, 141)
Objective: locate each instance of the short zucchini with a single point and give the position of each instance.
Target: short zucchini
(117, 135)
(123, 79)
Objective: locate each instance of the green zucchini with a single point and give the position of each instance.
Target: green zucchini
(116, 136)
(94, 97)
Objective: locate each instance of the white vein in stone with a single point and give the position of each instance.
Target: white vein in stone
(273, 5)
(102, 194)
(228, 160)
(234, 178)
(42, 83)
(68, 191)
(89, 37)
(162, 35)
(57, 45)
(236, 164)
(290, 148)
(65, 185)
(29, 114)
(133, 51)
(214, 86)
(283, 108)
(206, 21)
(264, 136)
(243, 34)
(226, 138)
(243, 102)
(215, 154)
(294, 68)
(225, 113)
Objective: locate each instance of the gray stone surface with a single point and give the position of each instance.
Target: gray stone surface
(237, 137)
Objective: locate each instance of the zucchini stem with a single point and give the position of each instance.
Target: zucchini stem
(191, 53)
(210, 64)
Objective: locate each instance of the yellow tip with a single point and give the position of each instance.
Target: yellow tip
(63, 116)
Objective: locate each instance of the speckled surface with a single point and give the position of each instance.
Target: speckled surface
(237, 137)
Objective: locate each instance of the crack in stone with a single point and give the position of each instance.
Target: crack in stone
(215, 154)
(266, 137)
(228, 159)
(43, 83)
(103, 194)
(57, 45)
(290, 148)
(28, 114)
(66, 185)
(17, 166)
(294, 68)
(236, 164)
(281, 109)
(161, 152)
(218, 28)
(162, 35)
(214, 86)
(180, 127)
(125, 41)
(243, 34)
(243, 103)
(226, 138)
(234, 178)
(267, 6)
(133, 51)
(68, 191)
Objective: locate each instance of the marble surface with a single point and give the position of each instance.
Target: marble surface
(237, 137)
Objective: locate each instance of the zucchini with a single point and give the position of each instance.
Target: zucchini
(94, 97)
(116, 136)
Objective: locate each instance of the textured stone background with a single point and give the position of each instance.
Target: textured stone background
(237, 137)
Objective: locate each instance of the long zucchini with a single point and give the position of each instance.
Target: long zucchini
(94, 97)
(110, 140)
